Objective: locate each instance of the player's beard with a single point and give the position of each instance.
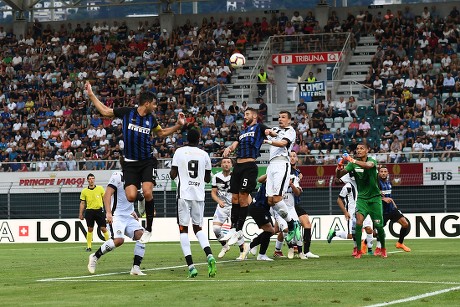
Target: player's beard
(249, 122)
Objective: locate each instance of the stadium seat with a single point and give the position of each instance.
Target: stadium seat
(337, 125)
(407, 149)
(228, 143)
(371, 111)
(338, 119)
(361, 111)
(335, 151)
(426, 128)
(328, 120)
(347, 120)
(434, 159)
(414, 160)
(314, 152)
(456, 159)
(314, 130)
(424, 159)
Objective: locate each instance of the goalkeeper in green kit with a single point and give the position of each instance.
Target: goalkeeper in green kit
(369, 202)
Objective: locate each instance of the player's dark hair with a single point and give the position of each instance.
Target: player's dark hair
(90, 175)
(383, 166)
(252, 110)
(286, 112)
(226, 158)
(145, 97)
(193, 137)
(365, 145)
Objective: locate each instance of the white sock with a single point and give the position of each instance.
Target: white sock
(217, 231)
(202, 238)
(379, 245)
(107, 246)
(240, 241)
(278, 245)
(281, 208)
(139, 249)
(370, 240)
(185, 244)
(341, 234)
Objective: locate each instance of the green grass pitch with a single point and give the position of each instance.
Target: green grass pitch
(56, 275)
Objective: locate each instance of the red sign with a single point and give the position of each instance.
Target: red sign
(407, 174)
(23, 231)
(307, 58)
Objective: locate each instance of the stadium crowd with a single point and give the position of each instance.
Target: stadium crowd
(47, 122)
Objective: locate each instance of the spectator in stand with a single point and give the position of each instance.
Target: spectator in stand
(353, 127)
(340, 108)
(363, 128)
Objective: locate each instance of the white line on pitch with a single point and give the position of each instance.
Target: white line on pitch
(417, 297)
(118, 273)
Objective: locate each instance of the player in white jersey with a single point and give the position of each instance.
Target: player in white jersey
(347, 203)
(293, 191)
(221, 194)
(121, 216)
(279, 169)
(192, 167)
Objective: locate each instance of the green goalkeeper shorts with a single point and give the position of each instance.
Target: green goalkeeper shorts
(372, 207)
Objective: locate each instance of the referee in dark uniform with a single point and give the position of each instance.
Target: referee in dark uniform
(139, 163)
(245, 172)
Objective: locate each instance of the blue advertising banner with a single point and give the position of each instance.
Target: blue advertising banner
(312, 91)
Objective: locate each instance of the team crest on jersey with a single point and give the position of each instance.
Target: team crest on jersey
(147, 123)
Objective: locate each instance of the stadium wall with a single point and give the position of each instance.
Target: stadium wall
(165, 229)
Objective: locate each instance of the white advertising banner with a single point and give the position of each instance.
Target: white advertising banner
(441, 173)
(423, 226)
(66, 181)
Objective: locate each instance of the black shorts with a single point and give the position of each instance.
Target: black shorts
(300, 211)
(138, 171)
(393, 216)
(260, 215)
(244, 177)
(95, 215)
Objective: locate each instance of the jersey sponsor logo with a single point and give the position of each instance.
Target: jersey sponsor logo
(139, 128)
(247, 134)
(359, 170)
(194, 183)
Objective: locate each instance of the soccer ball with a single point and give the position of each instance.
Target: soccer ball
(237, 60)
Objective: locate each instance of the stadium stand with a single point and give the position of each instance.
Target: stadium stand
(409, 64)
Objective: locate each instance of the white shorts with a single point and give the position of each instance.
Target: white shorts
(125, 225)
(368, 222)
(190, 209)
(278, 177)
(282, 224)
(351, 223)
(222, 214)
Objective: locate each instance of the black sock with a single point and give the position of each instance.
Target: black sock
(98, 253)
(255, 241)
(189, 260)
(207, 250)
(306, 239)
(299, 249)
(402, 234)
(235, 214)
(222, 242)
(264, 242)
(242, 218)
(291, 225)
(137, 260)
(149, 211)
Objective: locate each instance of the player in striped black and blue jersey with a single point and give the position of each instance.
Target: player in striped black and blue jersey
(391, 211)
(139, 162)
(260, 212)
(245, 172)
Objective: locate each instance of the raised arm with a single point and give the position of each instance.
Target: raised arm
(102, 108)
